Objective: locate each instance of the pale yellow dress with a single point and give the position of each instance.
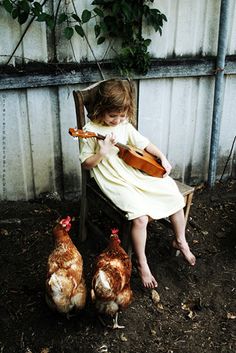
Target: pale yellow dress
(130, 189)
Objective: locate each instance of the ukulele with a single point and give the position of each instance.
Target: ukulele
(134, 157)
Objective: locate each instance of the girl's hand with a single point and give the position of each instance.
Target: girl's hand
(107, 144)
(166, 164)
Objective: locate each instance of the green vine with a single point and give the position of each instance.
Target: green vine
(120, 20)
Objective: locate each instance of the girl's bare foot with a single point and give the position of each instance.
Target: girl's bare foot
(185, 251)
(146, 276)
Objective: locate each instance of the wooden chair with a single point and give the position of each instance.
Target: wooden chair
(91, 194)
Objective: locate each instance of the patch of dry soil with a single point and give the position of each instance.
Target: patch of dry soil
(197, 308)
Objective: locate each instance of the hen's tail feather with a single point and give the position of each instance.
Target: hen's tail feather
(63, 296)
(79, 298)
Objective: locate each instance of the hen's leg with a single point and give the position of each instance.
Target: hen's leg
(115, 322)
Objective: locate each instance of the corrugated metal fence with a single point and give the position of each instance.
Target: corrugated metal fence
(175, 101)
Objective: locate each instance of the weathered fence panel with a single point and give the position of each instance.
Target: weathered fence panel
(175, 98)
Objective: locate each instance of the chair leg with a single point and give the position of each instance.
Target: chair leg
(83, 217)
(126, 238)
(83, 207)
(187, 207)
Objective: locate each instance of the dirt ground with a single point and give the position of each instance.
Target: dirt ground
(197, 308)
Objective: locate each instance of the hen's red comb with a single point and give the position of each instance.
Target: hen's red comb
(114, 231)
(65, 222)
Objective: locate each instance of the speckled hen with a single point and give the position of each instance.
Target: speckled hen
(111, 290)
(65, 284)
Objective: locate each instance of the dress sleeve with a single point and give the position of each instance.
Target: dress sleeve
(136, 139)
(87, 148)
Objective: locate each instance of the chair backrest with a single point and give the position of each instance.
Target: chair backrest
(85, 98)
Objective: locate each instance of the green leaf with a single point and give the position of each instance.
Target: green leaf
(164, 17)
(147, 42)
(97, 30)
(14, 13)
(104, 27)
(98, 12)
(146, 10)
(22, 17)
(42, 17)
(68, 32)
(98, 2)
(127, 10)
(76, 17)
(7, 5)
(127, 51)
(62, 18)
(37, 9)
(101, 40)
(116, 7)
(50, 21)
(24, 5)
(79, 30)
(38, 6)
(86, 15)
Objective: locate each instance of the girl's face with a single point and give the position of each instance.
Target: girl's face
(114, 118)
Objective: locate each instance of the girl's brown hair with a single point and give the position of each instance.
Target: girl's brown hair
(114, 96)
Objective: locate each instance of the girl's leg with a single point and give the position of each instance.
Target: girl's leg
(139, 237)
(178, 224)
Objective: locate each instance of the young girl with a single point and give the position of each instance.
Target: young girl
(142, 196)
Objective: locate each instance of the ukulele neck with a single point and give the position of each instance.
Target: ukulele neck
(118, 144)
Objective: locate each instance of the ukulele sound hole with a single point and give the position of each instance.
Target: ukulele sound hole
(139, 153)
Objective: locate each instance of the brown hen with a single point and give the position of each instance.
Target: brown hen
(111, 290)
(65, 284)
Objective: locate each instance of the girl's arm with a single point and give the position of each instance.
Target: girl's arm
(156, 152)
(92, 161)
(105, 147)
